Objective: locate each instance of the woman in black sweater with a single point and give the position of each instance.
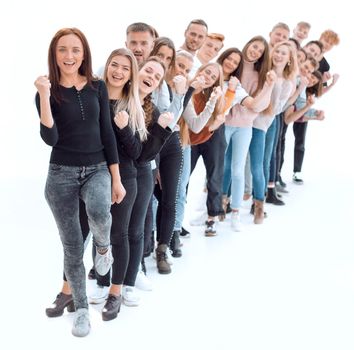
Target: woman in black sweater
(75, 120)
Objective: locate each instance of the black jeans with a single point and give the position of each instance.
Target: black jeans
(299, 147)
(121, 214)
(213, 153)
(137, 221)
(171, 160)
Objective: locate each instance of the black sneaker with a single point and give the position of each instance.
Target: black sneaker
(210, 229)
(184, 233)
(112, 307)
(297, 180)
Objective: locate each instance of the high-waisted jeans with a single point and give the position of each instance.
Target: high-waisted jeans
(64, 187)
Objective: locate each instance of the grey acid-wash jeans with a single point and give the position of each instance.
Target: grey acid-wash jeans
(64, 187)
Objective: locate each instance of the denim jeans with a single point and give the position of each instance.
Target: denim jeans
(64, 187)
(181, 198)
(268, 152)
(241, 138)
(226, 183)
(257, 157)
(299, 147)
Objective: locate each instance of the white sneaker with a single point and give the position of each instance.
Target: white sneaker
(169, 256)
(129, 296)
(103, 262)
(236, 221)
(99, 295)
(142, 282)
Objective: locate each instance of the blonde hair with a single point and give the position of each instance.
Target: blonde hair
(130, 101)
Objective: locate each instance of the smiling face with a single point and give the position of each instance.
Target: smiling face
(150, 76)
(255, 51)
(230, 63)
(194, 37)
(209, 49)
(183, 66)
(141, 44)
(118, 71)
(165, 54)
(281, 56)
(210, 74)
(69, 54)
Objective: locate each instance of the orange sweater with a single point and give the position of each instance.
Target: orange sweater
(199, 104)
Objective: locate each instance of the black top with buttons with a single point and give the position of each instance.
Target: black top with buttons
(82, 133)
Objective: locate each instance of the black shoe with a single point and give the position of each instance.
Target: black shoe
(175, 245)
(272, 197)
(228, 208)
(112, 307)
(297, 180)
(184, 233)
(92, 274)
(61, 302)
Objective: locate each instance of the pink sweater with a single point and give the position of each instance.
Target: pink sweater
(239, 115)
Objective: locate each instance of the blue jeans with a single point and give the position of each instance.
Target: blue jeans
(268, 152)
(226, 183)
(182, 188)
(64, 187)
(257, 156)
(241, 138)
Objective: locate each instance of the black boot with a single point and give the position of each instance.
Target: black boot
(272, 197)
(175, 245)
(185, 233)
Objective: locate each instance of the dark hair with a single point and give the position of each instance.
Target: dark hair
(198, 21)
(238, 71)
(164, 41)
(141, 27)
(297, 44)
(315, 42)
(317, 88)
(54, 72)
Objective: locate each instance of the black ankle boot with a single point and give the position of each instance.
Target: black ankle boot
(61, 302)
(112, 307)
(272, 197)
(175, 245)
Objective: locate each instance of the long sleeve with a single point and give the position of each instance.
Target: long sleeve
(197, 122)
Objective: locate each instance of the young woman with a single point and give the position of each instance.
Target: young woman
(75, 120)
(121, 77)
(284, 64)
(238, 125)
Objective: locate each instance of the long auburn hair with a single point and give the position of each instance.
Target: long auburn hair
(54, 71)
(130, 101)
(205, 95)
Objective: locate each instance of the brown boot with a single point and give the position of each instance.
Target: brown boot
(258, 212)
(161, 259)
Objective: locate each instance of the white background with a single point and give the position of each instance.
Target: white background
(315, 307)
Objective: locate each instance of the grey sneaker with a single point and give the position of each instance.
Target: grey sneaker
(81, 325)
(103, 262)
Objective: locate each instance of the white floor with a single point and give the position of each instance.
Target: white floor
(287, 284)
